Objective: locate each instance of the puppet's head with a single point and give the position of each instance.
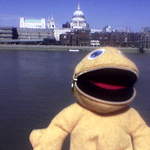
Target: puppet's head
(104, 80)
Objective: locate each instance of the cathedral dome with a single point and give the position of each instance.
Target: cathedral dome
(78, 20)
(78, 12)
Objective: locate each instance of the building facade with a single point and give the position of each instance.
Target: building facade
(35, 34)
(144, 40)
(119, 39)
(32, 23)
(76, 38)
(8, 33)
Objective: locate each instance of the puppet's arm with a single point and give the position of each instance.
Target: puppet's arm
(53, 136)
(140, 132)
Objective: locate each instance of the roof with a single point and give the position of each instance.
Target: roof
(33, 20)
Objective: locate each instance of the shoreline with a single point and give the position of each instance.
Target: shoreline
(61, 48)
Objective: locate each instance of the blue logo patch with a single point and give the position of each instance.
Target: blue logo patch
(96, 53)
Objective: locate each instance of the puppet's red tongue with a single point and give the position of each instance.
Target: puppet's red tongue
(108, 86)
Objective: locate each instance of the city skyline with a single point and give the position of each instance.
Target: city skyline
(119, 14)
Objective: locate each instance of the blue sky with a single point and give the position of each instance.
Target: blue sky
(133, 14)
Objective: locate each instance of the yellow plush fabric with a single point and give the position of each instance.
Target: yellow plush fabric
(111, 57)
(96, 124)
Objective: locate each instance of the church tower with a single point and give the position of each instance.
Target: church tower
(78, 20)
(51, 23)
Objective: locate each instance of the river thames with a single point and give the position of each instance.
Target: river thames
(35, 85)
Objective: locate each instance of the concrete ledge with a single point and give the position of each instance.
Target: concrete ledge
(61, 48)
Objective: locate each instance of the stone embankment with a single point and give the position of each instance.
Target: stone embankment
(61, 48)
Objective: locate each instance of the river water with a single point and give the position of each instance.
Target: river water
(35, 85)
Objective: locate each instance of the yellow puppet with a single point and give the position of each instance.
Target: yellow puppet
(103, 83)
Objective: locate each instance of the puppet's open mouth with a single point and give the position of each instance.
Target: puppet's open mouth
(109, 84)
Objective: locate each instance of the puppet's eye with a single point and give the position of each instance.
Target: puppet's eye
(96, 53)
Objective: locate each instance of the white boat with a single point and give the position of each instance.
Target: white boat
(74, 50)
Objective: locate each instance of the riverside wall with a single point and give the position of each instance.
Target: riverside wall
(61, 48)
